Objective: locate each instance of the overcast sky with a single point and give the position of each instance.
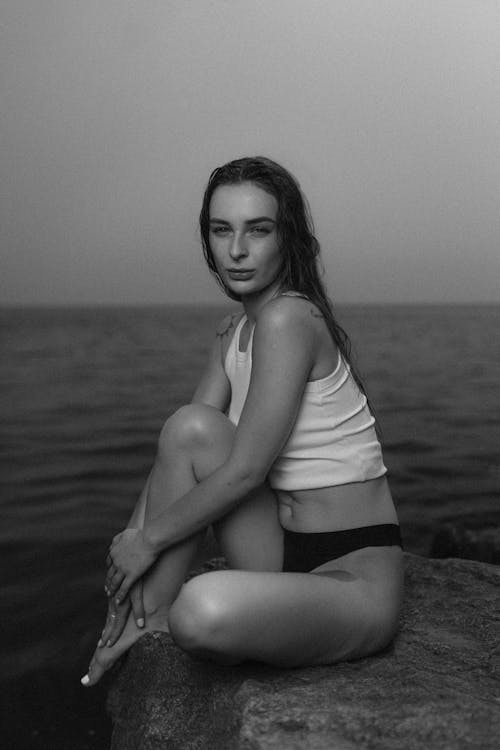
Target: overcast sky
(113, 114)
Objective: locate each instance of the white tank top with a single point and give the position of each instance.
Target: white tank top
(333, 440)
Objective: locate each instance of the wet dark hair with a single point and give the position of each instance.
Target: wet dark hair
(299, 247)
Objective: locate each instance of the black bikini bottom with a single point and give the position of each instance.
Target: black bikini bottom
(304, 551)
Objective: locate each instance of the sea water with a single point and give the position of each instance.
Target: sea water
(84, 393)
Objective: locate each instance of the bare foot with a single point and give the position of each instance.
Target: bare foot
(105, 656)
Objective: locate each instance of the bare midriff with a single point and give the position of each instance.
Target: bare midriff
(343, 506)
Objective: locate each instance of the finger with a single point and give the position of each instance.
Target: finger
(115, 582)
(112, 575)
(115, 540)
(137, 603)
(124, 589)
(108, 579)
(108, 626)
(118, 623)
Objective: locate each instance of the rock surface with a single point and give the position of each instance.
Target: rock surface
(475, 536)
(436, 688)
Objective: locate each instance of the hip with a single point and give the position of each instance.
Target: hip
(304, 552)
(337, 508)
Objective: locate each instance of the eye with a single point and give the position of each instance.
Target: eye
(219, 230)
(260, 231)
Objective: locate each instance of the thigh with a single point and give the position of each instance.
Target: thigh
(250, 536)
(286, 619)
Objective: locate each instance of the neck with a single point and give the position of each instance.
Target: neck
(253, 303)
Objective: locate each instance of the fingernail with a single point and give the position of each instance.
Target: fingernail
(117, 601)
(140, 622)
(108, 644)
(85, 680)
(99, 643)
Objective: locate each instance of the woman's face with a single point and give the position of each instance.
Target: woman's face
(244, 237)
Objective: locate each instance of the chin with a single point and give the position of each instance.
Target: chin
(243, 287)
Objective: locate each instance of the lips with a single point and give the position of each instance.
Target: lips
(240, 274)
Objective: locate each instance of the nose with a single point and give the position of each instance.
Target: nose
(238, 248)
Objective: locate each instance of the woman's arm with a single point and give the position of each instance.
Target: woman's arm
(214, 388)
(283, 354)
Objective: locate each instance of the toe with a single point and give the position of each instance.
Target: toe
(95, 671)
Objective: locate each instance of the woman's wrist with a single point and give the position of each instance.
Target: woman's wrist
(151, 539)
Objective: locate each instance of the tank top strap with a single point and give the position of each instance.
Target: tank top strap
(239, 326)
(237, 336)
(232, 347)
(237, 333)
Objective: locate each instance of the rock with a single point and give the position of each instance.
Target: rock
(473, 537)
(436, 688)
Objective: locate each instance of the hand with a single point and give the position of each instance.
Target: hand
(117, 616)
(129, 557)
(116, 620)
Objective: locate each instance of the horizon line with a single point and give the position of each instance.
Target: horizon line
(229, 303)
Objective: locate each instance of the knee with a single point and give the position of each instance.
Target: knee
(188, 426)
(198, 617)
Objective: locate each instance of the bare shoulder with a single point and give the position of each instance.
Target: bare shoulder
(290, 314)
(296, 324)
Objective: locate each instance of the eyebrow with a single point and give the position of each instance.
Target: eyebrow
(257, 220)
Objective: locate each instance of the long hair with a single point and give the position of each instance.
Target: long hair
(299, 247)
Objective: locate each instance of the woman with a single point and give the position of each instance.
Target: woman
(278, 451)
